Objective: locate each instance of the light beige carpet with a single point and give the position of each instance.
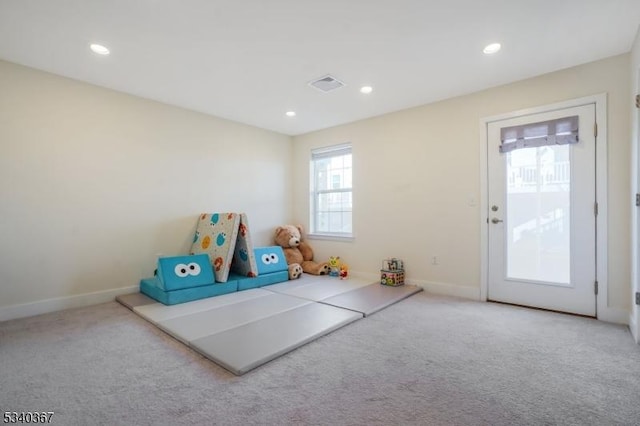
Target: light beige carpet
(426, 360)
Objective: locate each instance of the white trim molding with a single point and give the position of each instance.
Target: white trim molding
(60, 303)
(603, 311)
(633, 326)
(445, 289)
(634, 317)
(614, 315)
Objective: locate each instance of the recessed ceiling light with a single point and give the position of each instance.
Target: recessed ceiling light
(290, 113)
(492, 48)
(366, 89)
(99, 49)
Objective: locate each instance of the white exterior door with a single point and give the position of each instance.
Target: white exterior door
(542, 211)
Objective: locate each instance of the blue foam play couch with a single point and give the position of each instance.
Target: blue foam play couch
(151, 287)
(272, 269)
(181, 279)
(182, 272)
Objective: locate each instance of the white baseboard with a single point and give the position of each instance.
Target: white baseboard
(60, 303)
(466, 292)
(615, 315)
(432, 287)
(633, 327)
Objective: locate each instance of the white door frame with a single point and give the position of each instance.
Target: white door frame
(603, 312)
(634, 316)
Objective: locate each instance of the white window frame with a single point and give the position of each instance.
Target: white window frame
(314, 193)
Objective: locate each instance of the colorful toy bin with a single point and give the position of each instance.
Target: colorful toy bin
(392, 272)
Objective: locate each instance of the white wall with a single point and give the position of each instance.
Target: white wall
(416, 179)
(634, 319)
(94, 183)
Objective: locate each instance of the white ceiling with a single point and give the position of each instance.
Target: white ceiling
(250, 60)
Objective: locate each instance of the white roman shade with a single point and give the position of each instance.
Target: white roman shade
(562, 131)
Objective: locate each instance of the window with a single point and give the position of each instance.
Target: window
(331, 191)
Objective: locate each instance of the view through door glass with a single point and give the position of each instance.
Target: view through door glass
(539, 208)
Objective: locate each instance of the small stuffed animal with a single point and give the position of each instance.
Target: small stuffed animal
(344, 271)
(299, 254)
(334, 266)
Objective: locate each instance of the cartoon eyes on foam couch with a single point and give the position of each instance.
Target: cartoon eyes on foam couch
(183, 270)
(269, 258)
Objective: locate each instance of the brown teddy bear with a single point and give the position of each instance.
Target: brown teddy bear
(299, 254)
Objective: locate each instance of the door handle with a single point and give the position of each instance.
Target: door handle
(496, 220)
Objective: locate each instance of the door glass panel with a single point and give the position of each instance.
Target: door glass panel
(537, 221)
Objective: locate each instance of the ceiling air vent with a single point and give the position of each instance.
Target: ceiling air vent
(326, 83)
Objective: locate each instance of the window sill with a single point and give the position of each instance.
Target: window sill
(331, 237)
